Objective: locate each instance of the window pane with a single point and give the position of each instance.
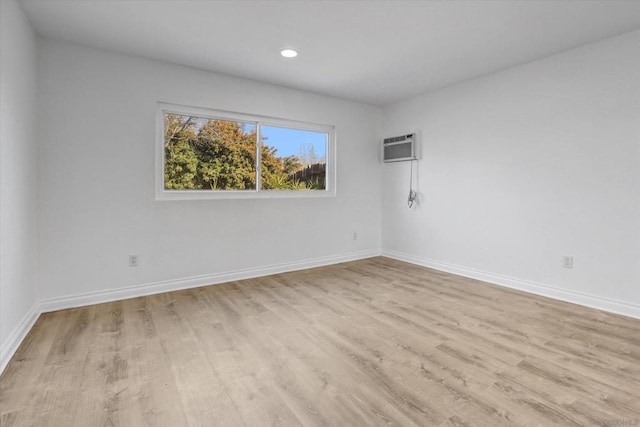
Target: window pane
(208, 154)
(293, 159)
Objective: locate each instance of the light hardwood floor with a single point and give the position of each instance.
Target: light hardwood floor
(372, 342)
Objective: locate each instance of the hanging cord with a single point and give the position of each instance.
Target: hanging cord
(412, 193)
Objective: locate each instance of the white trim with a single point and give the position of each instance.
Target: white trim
(10, 346)
(71, 301)
(99, 297)
(161, 194)
(592, 301)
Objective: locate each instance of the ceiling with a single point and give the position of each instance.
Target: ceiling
(376, 52)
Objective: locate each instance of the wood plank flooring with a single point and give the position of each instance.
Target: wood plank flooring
(365, 343)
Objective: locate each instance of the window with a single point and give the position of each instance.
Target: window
(207, 154)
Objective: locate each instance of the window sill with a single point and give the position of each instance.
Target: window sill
(230, 195)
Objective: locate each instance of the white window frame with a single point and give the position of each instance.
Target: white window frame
(163, 194)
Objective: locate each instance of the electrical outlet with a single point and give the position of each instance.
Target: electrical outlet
(133, 260)
(567, 261)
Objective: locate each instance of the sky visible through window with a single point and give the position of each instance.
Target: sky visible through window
(295, 142)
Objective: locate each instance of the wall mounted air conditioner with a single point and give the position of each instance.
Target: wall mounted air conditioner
(399, 148)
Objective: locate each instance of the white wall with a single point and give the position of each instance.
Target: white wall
(18, 195)
(524, 166)
(97, 147)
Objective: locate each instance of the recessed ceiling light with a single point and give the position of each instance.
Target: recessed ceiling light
(288, 53)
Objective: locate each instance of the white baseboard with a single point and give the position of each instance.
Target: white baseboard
(605, 304)
(17, 336)
(72, 301)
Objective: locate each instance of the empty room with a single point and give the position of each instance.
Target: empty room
(319, 213)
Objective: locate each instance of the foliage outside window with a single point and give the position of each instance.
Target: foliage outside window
(213, 154)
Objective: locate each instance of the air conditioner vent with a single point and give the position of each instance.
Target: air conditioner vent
(399, 148)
